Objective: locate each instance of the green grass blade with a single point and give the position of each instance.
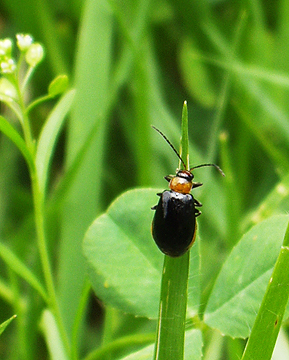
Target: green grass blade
(92, 70)
(6, 323)
(174, 288)
(22, 270)
(267, 324)
(172, 316)
(185, 137)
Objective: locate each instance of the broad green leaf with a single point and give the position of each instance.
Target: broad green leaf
(13, 135)
(6, 323)
(241, 284)
(268, 321)
(49, 135)
(125, 265)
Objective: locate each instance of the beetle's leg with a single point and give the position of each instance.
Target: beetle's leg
(196, 184)
(197, 212)
(169, 177)
(197, 203)
(155, 207)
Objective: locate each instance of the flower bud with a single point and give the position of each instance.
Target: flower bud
(34, 54)
(7, 88)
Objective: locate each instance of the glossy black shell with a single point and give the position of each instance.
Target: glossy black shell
(174, 222)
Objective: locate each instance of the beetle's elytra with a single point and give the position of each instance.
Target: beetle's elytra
(174, 223)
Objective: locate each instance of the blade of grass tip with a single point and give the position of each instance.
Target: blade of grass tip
(185, 137)
(265, 330)
(6, 323)
(174, 287)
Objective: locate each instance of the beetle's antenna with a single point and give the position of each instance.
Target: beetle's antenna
(216, 166)
(172, 146)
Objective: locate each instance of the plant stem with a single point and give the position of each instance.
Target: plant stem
(46, 266)
(38, 202)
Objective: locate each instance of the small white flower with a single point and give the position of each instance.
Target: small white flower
(7, 66)
(5, 47)
(24, 41)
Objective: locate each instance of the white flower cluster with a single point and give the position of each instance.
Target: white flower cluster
(34, 53)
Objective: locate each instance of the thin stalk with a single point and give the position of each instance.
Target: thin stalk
(174, 288)
(46, 266)
(38, 201)
(27, 77)
(24, 119)
(79, 319)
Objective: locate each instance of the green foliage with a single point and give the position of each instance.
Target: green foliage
(243, 279)
(127, 245)
(133, 64)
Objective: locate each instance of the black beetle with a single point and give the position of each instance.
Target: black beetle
(174, 223)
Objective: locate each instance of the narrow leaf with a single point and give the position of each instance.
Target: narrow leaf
(13, 135)
(52, 336)
(174, 287)
(6, 323)
(21, 269)
(49, 135)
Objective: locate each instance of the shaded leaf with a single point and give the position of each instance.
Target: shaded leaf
(241, 284)
(269, 319)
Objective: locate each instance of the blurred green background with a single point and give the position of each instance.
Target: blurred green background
(133, 63)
